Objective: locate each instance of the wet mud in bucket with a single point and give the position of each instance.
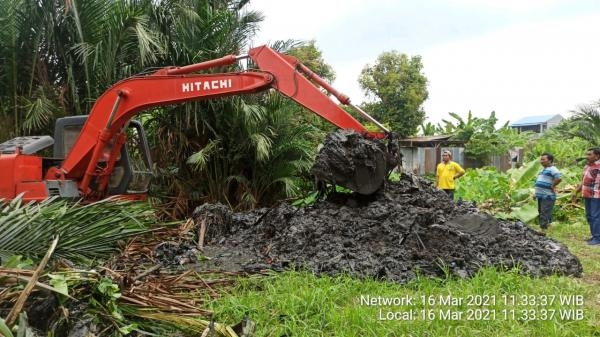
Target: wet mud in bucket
(351, 160)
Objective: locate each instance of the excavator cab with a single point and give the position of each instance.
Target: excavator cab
(133, 168)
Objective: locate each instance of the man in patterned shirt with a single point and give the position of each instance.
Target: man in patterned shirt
(545, 189)
(590, 191)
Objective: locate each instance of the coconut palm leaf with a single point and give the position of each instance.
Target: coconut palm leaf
(284, 46)
(19, 45)
(86, 231)
(40, 111)
(262, 146)
(201, 158)
(587, 123)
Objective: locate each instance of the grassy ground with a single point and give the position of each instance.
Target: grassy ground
(573, 236)
(492, 303)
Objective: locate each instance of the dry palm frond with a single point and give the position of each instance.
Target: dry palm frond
(194, 324)
(146, 283)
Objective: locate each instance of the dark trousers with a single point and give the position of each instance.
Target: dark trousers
(592, 214)
(545, 207)
(450, 193)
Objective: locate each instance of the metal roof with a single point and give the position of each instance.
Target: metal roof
(427, 141)
(426, 138)
(533, 120)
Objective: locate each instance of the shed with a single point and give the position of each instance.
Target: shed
(537, 124)
(421, 155)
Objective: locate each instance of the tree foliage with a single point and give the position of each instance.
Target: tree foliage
(482, 145)
(584, 124)
(397, 88)
(56, 58)
(464, 129)
(567, 150)
(570, 139)
(312, 57)
(482, 138)
(430, 129)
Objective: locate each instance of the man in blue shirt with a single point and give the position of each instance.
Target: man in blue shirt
(545, 189)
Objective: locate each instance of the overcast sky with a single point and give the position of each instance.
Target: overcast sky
(517, 57)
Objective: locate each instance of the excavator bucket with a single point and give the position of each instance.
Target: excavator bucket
(354, 161)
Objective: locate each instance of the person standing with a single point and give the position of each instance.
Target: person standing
(590, 191)
(446, 173)
(545, 189)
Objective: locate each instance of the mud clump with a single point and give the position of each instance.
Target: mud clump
(171, 253)
(349, 159)
(408, 228)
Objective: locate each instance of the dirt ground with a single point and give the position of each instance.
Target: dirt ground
(408, 228)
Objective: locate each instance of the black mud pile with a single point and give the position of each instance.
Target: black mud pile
(349, 159)
(410, 227)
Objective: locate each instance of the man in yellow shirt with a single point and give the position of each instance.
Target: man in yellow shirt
(448, 171)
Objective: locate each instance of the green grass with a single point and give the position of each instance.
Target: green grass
(301, 304)
(573, 236)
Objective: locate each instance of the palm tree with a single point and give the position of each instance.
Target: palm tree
(282, 149)
(586, 123)
(58, 57)
(195, 31)
(111, 40)
(26, 92)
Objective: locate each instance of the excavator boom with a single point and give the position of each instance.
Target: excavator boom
(91, 160)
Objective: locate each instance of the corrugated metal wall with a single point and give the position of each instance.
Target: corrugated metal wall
(423, 160)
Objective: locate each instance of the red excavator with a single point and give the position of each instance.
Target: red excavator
(105, 153)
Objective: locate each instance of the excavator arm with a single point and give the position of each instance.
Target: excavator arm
(91, 160)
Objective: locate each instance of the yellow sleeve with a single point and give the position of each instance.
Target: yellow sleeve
(458, 168)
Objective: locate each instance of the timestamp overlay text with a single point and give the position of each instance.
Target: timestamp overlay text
(476, 307)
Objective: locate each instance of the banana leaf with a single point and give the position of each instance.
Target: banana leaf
(526, 213)
(525, 176)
